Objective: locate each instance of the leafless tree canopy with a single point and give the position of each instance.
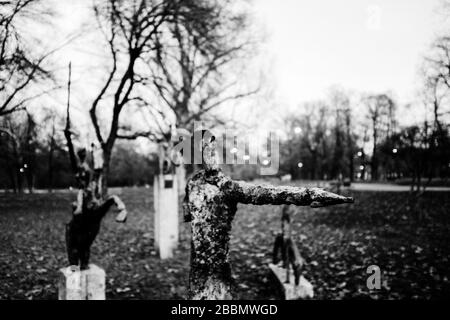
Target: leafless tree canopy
(20, 62)
(173, 46)
(437, 78)
(189, 75)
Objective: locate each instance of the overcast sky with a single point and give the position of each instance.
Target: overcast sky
(361, 45)
(366, 45)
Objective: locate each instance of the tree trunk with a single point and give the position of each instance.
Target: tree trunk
(105, 172)
(30, 180)
(11, 174)
(351, 166)
(19, 181)
(374, 162)
(313, 165)
(374, 167)
(50, 168)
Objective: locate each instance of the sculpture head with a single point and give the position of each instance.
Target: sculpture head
(210, 157)
(206, 147)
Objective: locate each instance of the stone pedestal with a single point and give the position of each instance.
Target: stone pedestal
(303, 290)
(74, 284)
(166, 214)
(181, 179)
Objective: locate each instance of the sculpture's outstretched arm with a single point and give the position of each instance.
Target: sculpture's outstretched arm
(114, 200)
(248, 193)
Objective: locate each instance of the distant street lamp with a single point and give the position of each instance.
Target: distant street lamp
(21, 170)
(394, 151)
(300, 165)
(359, 154)
(25, 166)
(361, 167)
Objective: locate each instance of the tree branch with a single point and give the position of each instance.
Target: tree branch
(67, 130)
(135, 135)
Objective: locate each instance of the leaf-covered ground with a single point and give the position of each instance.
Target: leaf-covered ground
(409, 240)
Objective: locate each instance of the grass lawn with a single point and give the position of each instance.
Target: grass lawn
(408, 240)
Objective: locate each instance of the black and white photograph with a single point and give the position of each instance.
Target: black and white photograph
(246, 150)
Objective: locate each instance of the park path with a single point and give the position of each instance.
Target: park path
(390, 187)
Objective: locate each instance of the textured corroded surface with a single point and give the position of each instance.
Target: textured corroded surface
(211, 216)
(266, 194)
(210, 205)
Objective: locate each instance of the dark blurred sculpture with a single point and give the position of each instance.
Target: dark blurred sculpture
(82, 230)
(286, 250)
(88, 211)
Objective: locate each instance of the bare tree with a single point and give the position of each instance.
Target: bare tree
(21, 64)
(9, 146)
(53, 140)
(350, 140)
(380, 111)
(308, 142)
(135, 31)
(340, 102)
(344, 132)
(19, 143)
(193, 75)
(437, 78)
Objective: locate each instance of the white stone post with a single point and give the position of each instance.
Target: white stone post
(181, 177)
(76, 284)
(166, 214)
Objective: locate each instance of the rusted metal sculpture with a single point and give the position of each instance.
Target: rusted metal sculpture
(88, 212)
(92, 202)
(210, 205)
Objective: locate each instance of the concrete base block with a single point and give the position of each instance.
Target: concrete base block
(74, 284)
(304, 290)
